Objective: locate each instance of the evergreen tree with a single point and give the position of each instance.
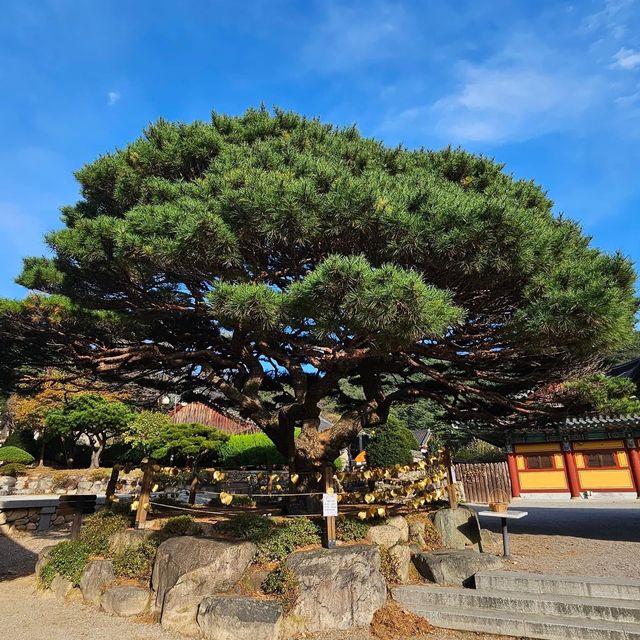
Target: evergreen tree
(270, 257)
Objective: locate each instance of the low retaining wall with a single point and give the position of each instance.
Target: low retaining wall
(63, 483)
(33, 513)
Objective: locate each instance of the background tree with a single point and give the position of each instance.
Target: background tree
(166, 441)
(92, 416)
(269, 257)
(391, 445)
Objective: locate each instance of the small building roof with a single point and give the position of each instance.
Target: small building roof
(204, 414)
(576, 428)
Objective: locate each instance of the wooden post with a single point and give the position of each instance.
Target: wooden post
(193, 489)
(634, 463)
(76, 523)
(145, 495)
(572, 471)
(329, 537)
(451, 488)
(111, 486)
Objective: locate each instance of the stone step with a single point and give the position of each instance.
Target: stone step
(597, 587)
(608, 609)
(526, 625)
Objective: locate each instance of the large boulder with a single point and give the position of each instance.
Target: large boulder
(61, 586)
(454, 567)
(239, 618)
(187, 568)
(400, 561)
(125, 601)
(43, 558)
(97, 575)
(401, 525)
(338, 589)
(120, 540)
(459, 528)
(384, 535)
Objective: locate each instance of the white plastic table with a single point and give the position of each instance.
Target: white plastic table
(505, 516)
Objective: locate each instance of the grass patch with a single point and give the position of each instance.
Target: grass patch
(68, 559)
(284, 584)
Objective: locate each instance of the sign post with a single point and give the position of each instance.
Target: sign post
(329, 508)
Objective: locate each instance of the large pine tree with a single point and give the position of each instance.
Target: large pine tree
(272, 258)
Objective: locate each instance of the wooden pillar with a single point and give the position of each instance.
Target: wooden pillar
(513, 472)
(634, 463)
(571, 469)
(111, 486)
(145, 495)
(451, 487)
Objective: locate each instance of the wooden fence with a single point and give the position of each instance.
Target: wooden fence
(484, 481)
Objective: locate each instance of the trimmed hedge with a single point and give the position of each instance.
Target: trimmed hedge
(15, 454)
(391, 445)
(249, 450)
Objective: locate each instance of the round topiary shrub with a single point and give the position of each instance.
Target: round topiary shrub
(15, 454)
(390, 445)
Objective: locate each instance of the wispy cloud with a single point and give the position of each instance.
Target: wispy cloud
(351, 35)
(113, 97)
(627, 59)
(522, 92)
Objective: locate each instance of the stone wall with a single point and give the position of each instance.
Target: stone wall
(63, 483)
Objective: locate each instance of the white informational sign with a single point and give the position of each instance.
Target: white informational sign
(329, 505)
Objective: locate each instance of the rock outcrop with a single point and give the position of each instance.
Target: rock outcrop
(239, 618)
(454, 567)
(187, 569)
(125, 601)
(97, 575)
(338, 589)
(459, 528)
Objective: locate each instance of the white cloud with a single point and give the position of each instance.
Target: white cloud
(495, 103)
(113, 97)
(350, 35)
(627, 59)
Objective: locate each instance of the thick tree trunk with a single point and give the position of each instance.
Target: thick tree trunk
(97, 447)
(42, 445)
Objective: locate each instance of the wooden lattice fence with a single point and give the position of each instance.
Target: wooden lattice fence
(484, 480)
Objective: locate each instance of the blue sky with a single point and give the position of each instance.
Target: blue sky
(550, 88)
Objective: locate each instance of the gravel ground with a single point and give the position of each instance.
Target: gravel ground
(27, 615)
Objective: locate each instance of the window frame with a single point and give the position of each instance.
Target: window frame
(599, 452)
(551, 457)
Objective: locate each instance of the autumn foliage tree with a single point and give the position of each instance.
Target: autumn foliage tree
(270, 257)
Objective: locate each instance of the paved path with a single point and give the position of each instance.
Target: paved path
(27, 615)
(591, 519)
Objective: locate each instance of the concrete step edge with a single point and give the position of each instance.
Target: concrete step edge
(524, 624)
(426, 591)
(604, 587)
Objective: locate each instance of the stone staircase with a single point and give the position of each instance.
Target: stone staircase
(532, 606)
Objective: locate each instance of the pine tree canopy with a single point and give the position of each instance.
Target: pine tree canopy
(270, 256)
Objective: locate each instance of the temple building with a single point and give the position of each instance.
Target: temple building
(575, 457)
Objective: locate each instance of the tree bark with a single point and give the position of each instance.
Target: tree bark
(97, 447)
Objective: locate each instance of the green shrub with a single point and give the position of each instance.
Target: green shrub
(247, 526)
(284, 584)
(275, 540)
(68, 559)
(249, 450)
(391, 445)
(15, 454)
(351, 529)
(99, 527)
(479, 451)
(23, 439)
(180, 526)
(12, 469)
(286, 537)
(136, 560)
